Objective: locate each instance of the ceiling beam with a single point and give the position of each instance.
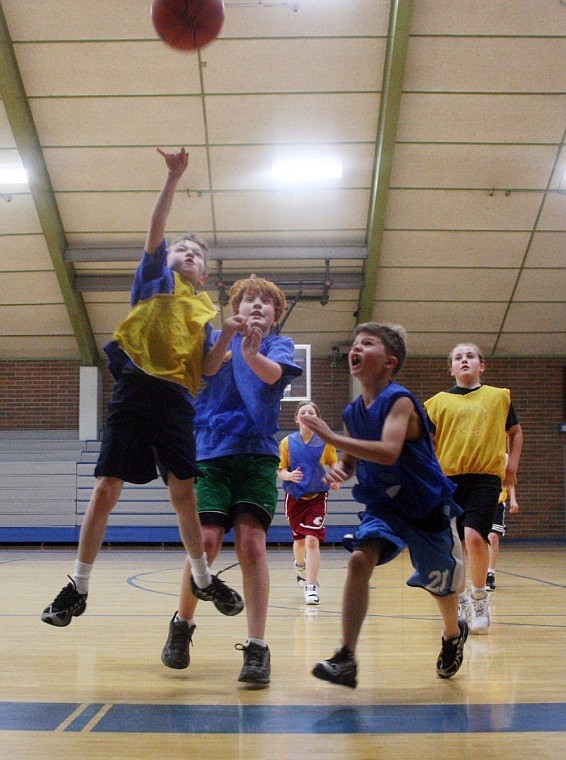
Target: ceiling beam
(290, 280)
(25, 135)
(391, 91)
(229, 253)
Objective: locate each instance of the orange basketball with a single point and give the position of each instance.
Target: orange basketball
(187, 24)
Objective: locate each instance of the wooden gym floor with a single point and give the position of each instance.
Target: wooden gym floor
(97, 689)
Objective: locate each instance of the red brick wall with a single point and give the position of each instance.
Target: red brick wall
(36, 395)
(45, 395)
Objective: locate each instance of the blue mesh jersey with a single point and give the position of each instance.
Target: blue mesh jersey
(415, 484)
(237, 413)
(307, 455)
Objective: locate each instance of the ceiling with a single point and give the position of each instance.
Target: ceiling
(448, 116)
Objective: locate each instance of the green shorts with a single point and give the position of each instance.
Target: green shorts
(234, 484)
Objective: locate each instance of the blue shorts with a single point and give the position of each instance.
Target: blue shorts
(435, 555)
(149, 428)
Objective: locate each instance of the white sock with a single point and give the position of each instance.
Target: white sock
(179, 619)
(81, 576)
(200, 571)
(479, 593)
(259, 642)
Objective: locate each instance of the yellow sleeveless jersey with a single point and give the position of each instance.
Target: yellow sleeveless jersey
(164, 334)
(470, 434)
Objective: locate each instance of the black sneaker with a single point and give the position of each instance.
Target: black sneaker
(257, 664)
(175, 653)
(452, 653)
(225, 599)
(490, 582)
(340, 669)
(67, 604)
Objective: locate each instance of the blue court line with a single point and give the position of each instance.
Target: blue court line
(290, 719)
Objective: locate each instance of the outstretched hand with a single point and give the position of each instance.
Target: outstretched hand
(176, 162)
(319, 426)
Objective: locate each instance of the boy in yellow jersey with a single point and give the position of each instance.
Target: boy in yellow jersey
(473, 425)
(156, 358)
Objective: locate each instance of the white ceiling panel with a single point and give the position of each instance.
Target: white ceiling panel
(311, 118)
(110, 169)
(131, 121)
(271, 65)
(17, 212)
(442, 317)
(498, 17)
(323, 17)
(535, 317)
(484, 166)
(24, 252)
(446, 248)
(457, 284)
(39, 319)
(482, 117)
(462, 209)
(129, 211)
(50, 346)
(89, 68)
(486, 64)
(549, 284)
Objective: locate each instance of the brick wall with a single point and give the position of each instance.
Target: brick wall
(36, 395)
(45, 395)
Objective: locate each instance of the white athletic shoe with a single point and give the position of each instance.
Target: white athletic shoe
(311, 597)
(480, 613)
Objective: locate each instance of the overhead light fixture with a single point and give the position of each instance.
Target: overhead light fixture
(13, 175)
(306, 170)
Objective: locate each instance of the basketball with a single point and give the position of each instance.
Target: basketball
(187, 24)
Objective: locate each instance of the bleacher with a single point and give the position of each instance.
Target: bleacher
(46, 478)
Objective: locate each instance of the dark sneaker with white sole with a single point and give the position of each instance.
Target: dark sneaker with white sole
(257, 664)
(225, 599)
(340, 669)
(452, 653)
(175, 653)
(67, 604)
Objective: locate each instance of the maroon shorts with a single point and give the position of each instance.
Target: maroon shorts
(306, 516)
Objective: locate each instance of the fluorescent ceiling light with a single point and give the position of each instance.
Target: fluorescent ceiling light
(306, 170)
(13, 175)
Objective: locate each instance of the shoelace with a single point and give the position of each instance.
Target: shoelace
(68, 593)
(255, 656)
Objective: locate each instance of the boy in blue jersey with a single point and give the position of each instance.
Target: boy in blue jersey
(408, 500)
(246, 369)
(156, 359)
